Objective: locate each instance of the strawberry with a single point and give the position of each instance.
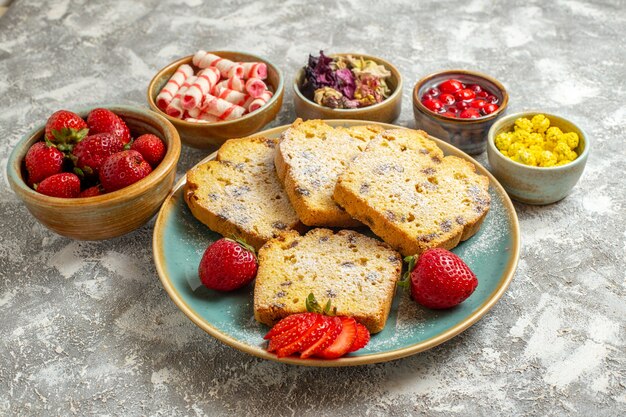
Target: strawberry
(441, 279)
(305, 321)
(94, 191)
(65, 128)
(123, 169)
(105, 121)
(282, 326)
(150, 147)
(343, 342)
(362, 338)
(90, 153)
(42, 160)
(227, 265)
(326, 340)
(312, 335)
(65, 185)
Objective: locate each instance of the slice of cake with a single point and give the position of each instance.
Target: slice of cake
(410, 195)
(309, 159)
(357, 273)
(238, 194)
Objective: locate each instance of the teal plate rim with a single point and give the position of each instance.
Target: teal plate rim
(508, 217)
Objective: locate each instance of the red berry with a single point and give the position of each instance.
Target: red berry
(433, 105)
(465, 95)
(122, 169)
(441, 279)
(462, 105)
(475, 88)
(478, 104)
(447, 98)
(105, 121)
(227, 265)
(362, 338)
(326, 340)
(450, 86)
(427, 97)
(65, 127)
(470, 113)
(490, 108)
(64, 185)
(94, 191)
(434, 92)
(311, 336)
(304, 321)
(343, 342)
(151, 147)
(492, 99)
(90, 153)
(42, 160)
(482, 94)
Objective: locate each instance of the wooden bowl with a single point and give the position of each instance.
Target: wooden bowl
(386, 111)
(469, 135)
(536, 185)
(213, 135)
(108, 215)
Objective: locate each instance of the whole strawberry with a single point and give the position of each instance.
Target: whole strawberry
(42, 160)
(123, 169)
(90, 153)
(441, 279)
(105, 121)
(94, 191)
(65, 128)
(64, 185)
(151, 147)
(227, 265)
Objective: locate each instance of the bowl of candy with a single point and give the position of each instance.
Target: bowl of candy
(459, 107)
(348, 86)
(214, 96)
(537, 157)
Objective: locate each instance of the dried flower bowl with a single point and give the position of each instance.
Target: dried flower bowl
(108, 215)
(386, 111)
(536, 185)
(213, 135)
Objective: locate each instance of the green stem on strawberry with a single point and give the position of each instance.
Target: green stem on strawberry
(312, 306)
(405, 281)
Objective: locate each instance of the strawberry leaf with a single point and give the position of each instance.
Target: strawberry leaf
(405, 281)
(312, 306)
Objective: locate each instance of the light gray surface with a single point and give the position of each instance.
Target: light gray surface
(86, 328)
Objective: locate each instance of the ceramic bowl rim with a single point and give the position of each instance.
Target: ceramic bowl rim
(581, 159)
(394, 71)
(14, 164)
(417, 103)
(152, 87)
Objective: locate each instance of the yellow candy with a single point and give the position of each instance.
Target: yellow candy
(540, 123)
(536, 143)
(523, 124)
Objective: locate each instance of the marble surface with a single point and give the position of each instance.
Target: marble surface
(86, 328)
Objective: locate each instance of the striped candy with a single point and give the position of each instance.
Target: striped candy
(172, 86)
(206, 80)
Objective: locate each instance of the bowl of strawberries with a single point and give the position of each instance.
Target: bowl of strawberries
(96, 174)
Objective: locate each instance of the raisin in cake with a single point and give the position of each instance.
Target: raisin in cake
(410, 195)
(309, 158)
(238, 194)
(357, 273)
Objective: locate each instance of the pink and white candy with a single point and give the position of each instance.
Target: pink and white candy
(206, 80)
(258, 102)
(197, 114)
(233, 83)
(228, 68)
(172, 86)
(255, 87)
(254, 70)
(232, 96)
(175, 108)
(221, 108)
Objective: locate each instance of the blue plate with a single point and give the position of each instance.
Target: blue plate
(180, 240)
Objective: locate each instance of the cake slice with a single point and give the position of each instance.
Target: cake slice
(357, 273)
(238, 193)
(309, 159)
(410, 195)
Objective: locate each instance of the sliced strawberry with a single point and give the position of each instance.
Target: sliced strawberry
(312, 335)
(362, 337)
(326, 340)
(282, 326)
(343, 342)
(306, 320)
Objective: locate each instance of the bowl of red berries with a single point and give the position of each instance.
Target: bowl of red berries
(96, 174)
(459, 107)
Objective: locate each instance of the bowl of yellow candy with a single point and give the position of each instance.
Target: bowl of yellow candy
(537, 157)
